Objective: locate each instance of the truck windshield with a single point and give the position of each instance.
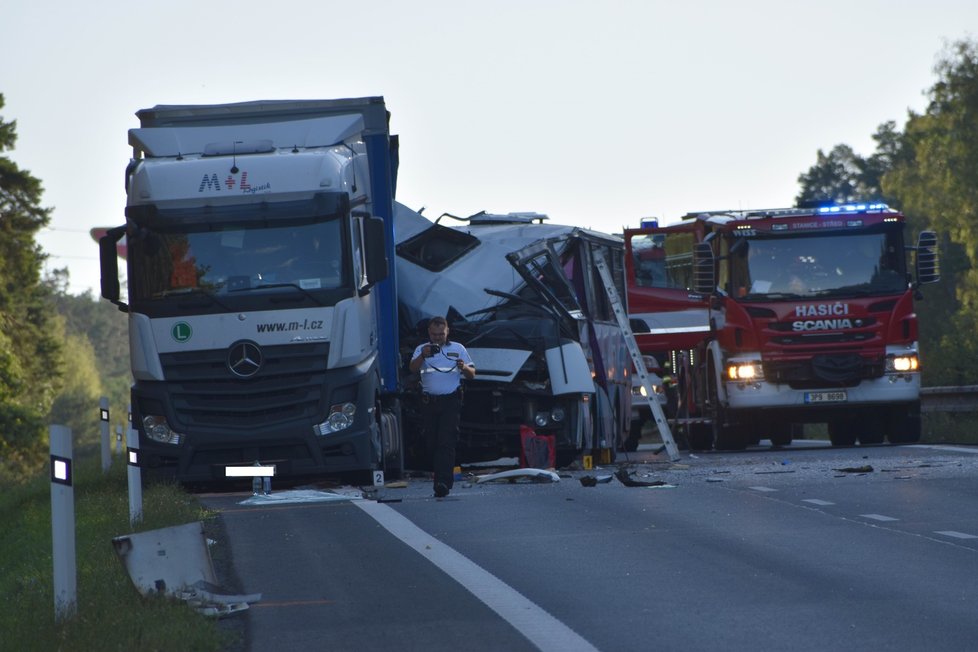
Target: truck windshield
(842, 264)
(225, 261)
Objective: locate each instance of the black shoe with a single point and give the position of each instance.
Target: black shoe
(441, 490)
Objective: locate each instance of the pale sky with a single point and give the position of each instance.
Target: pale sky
(595, 113)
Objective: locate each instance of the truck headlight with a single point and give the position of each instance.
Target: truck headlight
(340, 417)
(902, 363)
(639, 390)
(557, 414)
(541, 419)
(157, 429)
(744, 370)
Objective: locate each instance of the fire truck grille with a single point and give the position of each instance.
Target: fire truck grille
(288, 386)
(833, 370)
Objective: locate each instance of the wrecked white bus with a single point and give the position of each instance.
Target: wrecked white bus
(526, 300)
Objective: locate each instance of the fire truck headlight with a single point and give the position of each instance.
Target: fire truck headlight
(157, 429)
(340, 417)
(639, 390)
(745, 370)
(557, 414)
(541, 419)
(902, 363)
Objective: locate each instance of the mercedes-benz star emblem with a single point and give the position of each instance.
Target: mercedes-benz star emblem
(244, 359)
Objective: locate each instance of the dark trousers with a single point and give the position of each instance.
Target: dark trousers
(441, 421)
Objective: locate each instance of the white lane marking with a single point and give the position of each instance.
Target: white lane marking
(956, 535)
(879, 517)
(954, 449)
(542, 629)
(816, 501)
(763, 489)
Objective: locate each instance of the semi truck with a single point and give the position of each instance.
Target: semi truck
(262, 309)
(524, 297)
(772, 319)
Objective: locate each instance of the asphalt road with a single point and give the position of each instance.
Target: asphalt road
(802, 548)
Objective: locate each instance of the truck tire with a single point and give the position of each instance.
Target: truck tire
(726, 436)
(700, 436)
(873, 426)
(782, 434)
(843, 432)
(903, 424)
(634, 435)
(390, 424)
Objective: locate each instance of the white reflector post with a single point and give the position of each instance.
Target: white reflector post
(135, 477)
(103, 413)
(63, 524)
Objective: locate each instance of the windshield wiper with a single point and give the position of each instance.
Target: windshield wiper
(265, 286)
(190, 292)
(773, 296)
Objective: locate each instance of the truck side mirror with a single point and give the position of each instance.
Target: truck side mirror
(376, 242)
(704, 266)
(109, 265)
(927, 259)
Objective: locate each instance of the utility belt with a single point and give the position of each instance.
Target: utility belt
(427, 398)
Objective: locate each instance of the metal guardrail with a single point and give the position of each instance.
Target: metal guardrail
(963, 398)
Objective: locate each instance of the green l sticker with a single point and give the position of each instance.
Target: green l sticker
(181, 331)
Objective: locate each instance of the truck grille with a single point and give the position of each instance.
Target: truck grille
(288, 387)
(839, 370)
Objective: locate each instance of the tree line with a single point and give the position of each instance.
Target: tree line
(928, 169)
(60, 352)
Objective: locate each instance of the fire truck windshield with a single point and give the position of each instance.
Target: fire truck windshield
(227, 262)
(839, 264)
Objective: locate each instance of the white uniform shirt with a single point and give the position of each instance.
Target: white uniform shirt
(440, 373)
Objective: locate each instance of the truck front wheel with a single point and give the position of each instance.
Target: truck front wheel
(730, 436)
(903, 423)
(843, 431)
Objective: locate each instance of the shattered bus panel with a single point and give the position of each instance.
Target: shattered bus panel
(527, 302)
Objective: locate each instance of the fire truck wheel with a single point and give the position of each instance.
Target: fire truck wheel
(843, 432)
(782, 435)
(730, 436)
(872, 428)
(903, 424)
(630, 444)
(700, 437)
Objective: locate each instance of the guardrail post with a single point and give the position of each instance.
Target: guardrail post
(103, 405)
(135, 477)
(63, 523)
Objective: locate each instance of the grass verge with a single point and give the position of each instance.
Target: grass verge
(949, 428)
(110, 613)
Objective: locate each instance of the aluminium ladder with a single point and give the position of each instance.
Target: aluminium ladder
(630, 343)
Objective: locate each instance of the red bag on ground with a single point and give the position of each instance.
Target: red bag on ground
(537, 451)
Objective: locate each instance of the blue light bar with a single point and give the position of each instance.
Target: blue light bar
(648, 223)
(853, 208)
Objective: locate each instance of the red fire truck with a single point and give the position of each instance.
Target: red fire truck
(775, 318)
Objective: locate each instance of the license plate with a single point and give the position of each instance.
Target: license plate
(826, 397)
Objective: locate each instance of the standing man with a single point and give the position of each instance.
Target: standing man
(442, 365)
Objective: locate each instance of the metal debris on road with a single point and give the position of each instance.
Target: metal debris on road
(516, 475)
(855, 469)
